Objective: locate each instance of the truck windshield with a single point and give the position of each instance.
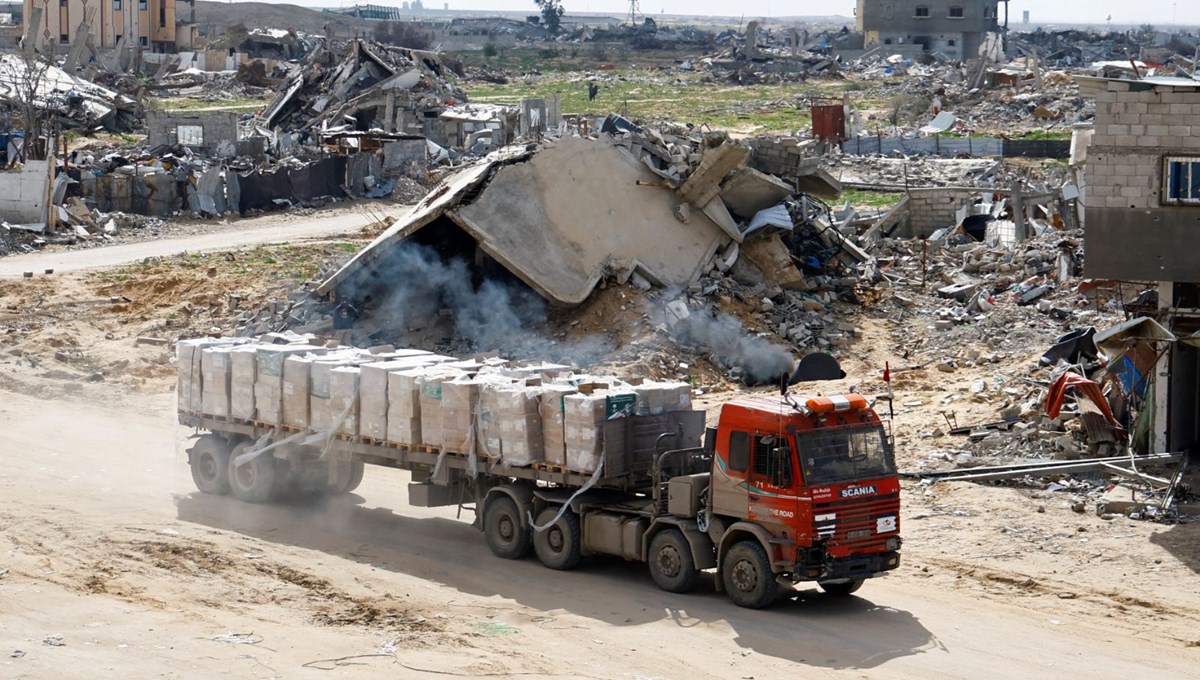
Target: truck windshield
(844, 454)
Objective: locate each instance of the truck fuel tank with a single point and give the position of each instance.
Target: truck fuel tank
(684, 494)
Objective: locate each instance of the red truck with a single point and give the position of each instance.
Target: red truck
(782, 490)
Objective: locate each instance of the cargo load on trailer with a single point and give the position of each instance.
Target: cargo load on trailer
(556, 462)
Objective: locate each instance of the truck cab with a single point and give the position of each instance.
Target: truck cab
(806, 487)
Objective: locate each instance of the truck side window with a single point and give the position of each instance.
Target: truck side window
(773, 460)
(739, 451)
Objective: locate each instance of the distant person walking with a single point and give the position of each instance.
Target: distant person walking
(593, 90)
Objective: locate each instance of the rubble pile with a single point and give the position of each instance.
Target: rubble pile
(71, 102)
(327, 92)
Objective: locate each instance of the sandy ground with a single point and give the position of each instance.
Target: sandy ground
(344, 219)
(111, 562)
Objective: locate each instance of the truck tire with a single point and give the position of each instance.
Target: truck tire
(345, 476)
(560, 546)
(209, 460)
(671, 564)
(503, 531)
(256, 480)
(747, 575)
(841, 589)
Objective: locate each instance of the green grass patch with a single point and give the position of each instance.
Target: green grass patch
(1046, 135)
(240, 104)
(860, 198)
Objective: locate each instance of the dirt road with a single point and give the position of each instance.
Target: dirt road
(111, 563)
(269, 229)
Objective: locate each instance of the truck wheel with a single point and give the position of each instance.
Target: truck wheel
(560, 546)
(747, 575)
(503, 531)
(209, 460)
(841, 589)
(345, 476)
(671, 563)
(254, 481)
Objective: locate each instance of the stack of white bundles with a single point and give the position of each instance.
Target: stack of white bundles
(321, 414)
(243, 366)
(268, 385)
(401, 411)
(487, 420)
(215, 369)
(583, 420)
(459, 407)
(553, 423)
(521, 439)
(427, 408)
(190, 381)
(297, 385)
(683, 398)
(373, 408)
(343, 399)
(656, 398)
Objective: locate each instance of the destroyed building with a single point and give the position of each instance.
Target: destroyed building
(1142, 206)
(955, 28)
(154, 26)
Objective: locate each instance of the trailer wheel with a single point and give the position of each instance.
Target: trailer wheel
(503, 531)
(841, 589)
(560, 546)
(747, 575)
(345, 476)
(209, 461)
(671, 564)
(255, 480)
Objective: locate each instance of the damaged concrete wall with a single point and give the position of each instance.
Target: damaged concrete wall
(23, 193)
(935, 208)
(1133, 229)
(216, 129)
(558, 220)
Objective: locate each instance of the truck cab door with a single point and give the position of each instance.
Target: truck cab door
(773, 499)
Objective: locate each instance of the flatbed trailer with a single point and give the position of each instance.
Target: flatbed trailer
(667, 491)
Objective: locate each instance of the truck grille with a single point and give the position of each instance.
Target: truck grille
(853, 523)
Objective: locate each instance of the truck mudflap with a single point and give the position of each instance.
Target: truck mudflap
(854, 567)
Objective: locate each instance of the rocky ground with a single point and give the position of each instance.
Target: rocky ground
(135, 569)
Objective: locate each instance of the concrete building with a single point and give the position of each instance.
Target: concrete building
(1142, 212)
(152, 24)
(956, 28)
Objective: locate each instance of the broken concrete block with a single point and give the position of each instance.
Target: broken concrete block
(747, 191)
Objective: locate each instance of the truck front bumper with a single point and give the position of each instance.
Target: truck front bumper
(848, 568)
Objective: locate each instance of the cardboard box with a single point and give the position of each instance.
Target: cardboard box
(551, 407)
(428, 405)
(243, 374)
(343, 398)
(269, 390)
(189, 386)
(373, 403)
(459, 406)
(215, 370)
(583, 418)
(297, 387)
(656, 398)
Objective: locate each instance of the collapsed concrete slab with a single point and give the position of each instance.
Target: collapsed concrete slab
(748, 191)
(559, 220)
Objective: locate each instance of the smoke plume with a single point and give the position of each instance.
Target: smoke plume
(490, 313)
(732, 346)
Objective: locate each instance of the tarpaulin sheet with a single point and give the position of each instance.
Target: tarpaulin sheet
(1087, 389)
(259, 189)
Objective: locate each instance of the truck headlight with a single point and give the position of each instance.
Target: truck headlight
(893, 543)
